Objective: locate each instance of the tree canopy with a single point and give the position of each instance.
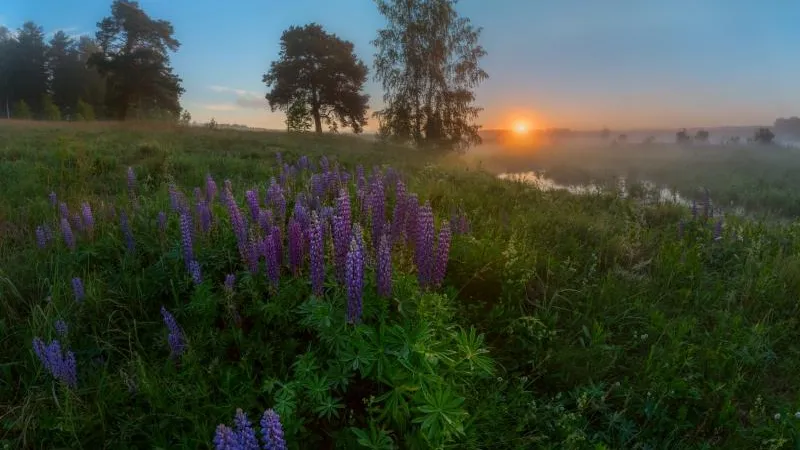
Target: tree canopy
(428, 63)
(318, 74)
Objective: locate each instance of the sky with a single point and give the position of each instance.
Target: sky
(581, 64)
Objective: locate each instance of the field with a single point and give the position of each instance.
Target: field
(553, 321)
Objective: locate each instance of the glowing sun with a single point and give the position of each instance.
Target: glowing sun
(520, 127)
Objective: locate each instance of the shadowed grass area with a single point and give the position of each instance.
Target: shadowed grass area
(562, 322)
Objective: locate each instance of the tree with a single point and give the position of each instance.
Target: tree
(186, 118)
(701, 136)
(298, 118)
(649, 140)
(28, 76)
(134, 56)
(21, 110)
(427, 61)
(65, 71)
(7, 47)
(682, 137)
(93, 87)
(84, 111)
(763, 136)
(321, 72)
(49, 109)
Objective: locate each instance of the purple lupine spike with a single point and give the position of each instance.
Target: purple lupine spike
(211, 188)
(271, 255)
(131, 182)
(238, 224)
(718, 230)
(359, 174)
(53, 198)
(60, 364)
(442, 254)
(127, 234)
(272, 431)
(161, 220)
(303, 162)
(398, 227)
(295, 245)
(265, 220)
(204, 211)
(384, 267)
(276, 199)
(176, 338)
(186, 238)
(48, 233)
(464, 224)
(251, 198)
(277, 239)
(230, 281)
(354, 277)
(244, 431)
(252, 254)
(412, 211)
(343, 211)
(76, 221)
(324, 165)
(301, 214)
(198, 194)
(61, 328)
(77, 289)
(423, 255)
(88, 218)
(41, 237)
(317, 255)
(174, 201)
(63, 210)
(279, 159)
(194, 271)
(377, 208)
(225, 438)
(66, 231)
(317, 183)
(341, 239)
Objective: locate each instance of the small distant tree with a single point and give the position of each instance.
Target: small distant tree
(701, 136)
(212, 124)
(186, 118)
(622, 138)
(49, 109)
(84, 111)
(649, 140)
(682, 137)
(21, 110)
(605, 133)
(763, 136)
(298, 118)
(735, 140)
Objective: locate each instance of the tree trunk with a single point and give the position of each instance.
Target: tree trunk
(317, 119)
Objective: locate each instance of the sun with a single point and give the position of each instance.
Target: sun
(521, 127)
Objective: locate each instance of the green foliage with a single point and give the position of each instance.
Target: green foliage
(763, 136)
(21, 110)
(186, 118)
(701, 136)
(84, 111)
(298, 118)
(49, 109)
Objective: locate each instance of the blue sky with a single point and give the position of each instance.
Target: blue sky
(570, 63)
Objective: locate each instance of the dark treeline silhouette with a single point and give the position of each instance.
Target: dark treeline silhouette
(123, 72)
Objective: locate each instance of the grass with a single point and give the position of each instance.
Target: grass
(563, 321)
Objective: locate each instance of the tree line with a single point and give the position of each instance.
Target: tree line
(427, 62)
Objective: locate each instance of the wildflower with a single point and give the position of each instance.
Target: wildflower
(252, 254)
(61, 365)
(275, 198)
(377, 207)
(194, 271)
(316, 251)
(384, 269)
(272, 431)
(245, 434)
(423, 254)
(198, 195)
(175, 339)
(295, 245)
(265, 220)
(211, 188)
(354, 277)
(77, 289)
(76, 221)
(301, 213)
(777, 416)
(718, 230)
(130, 244)
(412, 210)
(186, 237)
(399, 214)
(53, 198)
(271, 256)
(61, 328)
(88, 218)
(66, 230)
(442, 254)
(161, 219)
(204, 211)
(324, 165)
(251, 198)
(63, 210)
(131, 182)
(225, 439)
(797, 415)
(41, 237)
(303, 162)
(174, 198)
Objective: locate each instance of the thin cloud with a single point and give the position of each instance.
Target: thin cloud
(251, 101)
(220, 107)
(217, 88)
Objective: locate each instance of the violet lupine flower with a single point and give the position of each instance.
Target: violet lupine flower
(61, 328)
(225, 439)
(176, 338)
(211, 188)
(204, 211)
(317, 182)
(244, 431)
(275, 198)
(174, 201)
(718, 230)
(265, 220)
(60, 364)
(66, 230)
(238, 224)
(230, 281)
(252, 254)
(303, 162)
(324, 165)
(77, 289)
(53, 198)
(198, 194)
(354, 278)
(194, 271)
(317, 255)
(423, 254)
(398, 227)
(131, 182)
(343, 211)
(63, 210)
(186, 237)
(251, 198)
(442, 254)
(272, 431)
(88, 218)
(384, 269)
(41, 237)
(295, 245)
(279, 159)
(412, 211)
(360, 175)
(75, 218)
(130, 244)
(377, 207)
(161, 219)
(271, 255)
(277, 239)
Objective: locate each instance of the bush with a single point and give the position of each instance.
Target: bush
(84, 111)
(21, 110)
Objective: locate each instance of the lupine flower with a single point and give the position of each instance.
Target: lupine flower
(343, 211)
(230, 281)
(186, 237)
(251, 198)
(303, 162)
(198, 194)
(204, 211)
(277, 239)
(88, 218)
(75, 219)
(279, 159)
(442, 254)
(718, 230)
(61, 328)
(265, 220)
(317, 252)
(174, 201)
(48, 233)
(398, 227)
(384, 269)
(377, 207)
(360, 176)
(225, 439)
(41, 238)
(130, 244)
(354, 277)
(131, 182)
(53, 198)
(271, 255)
(77, 289)
(272, 431)
(238, 223)
(324, 164)
(423, 255)
(341, 244)
(244, 431)
(194, 271)
(412, 210)
(295, 245)
(211, 188)
(61, 365)
(63, 210)
(175, 339)
(301, 213)
(161, 219)
(66, 230)
(252, 254)
(275, 198)
(317, 183)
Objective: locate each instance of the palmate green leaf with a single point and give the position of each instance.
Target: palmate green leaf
(374, 439)
(329, 407)
(441, 415)
(317, 387)
(473, 353)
